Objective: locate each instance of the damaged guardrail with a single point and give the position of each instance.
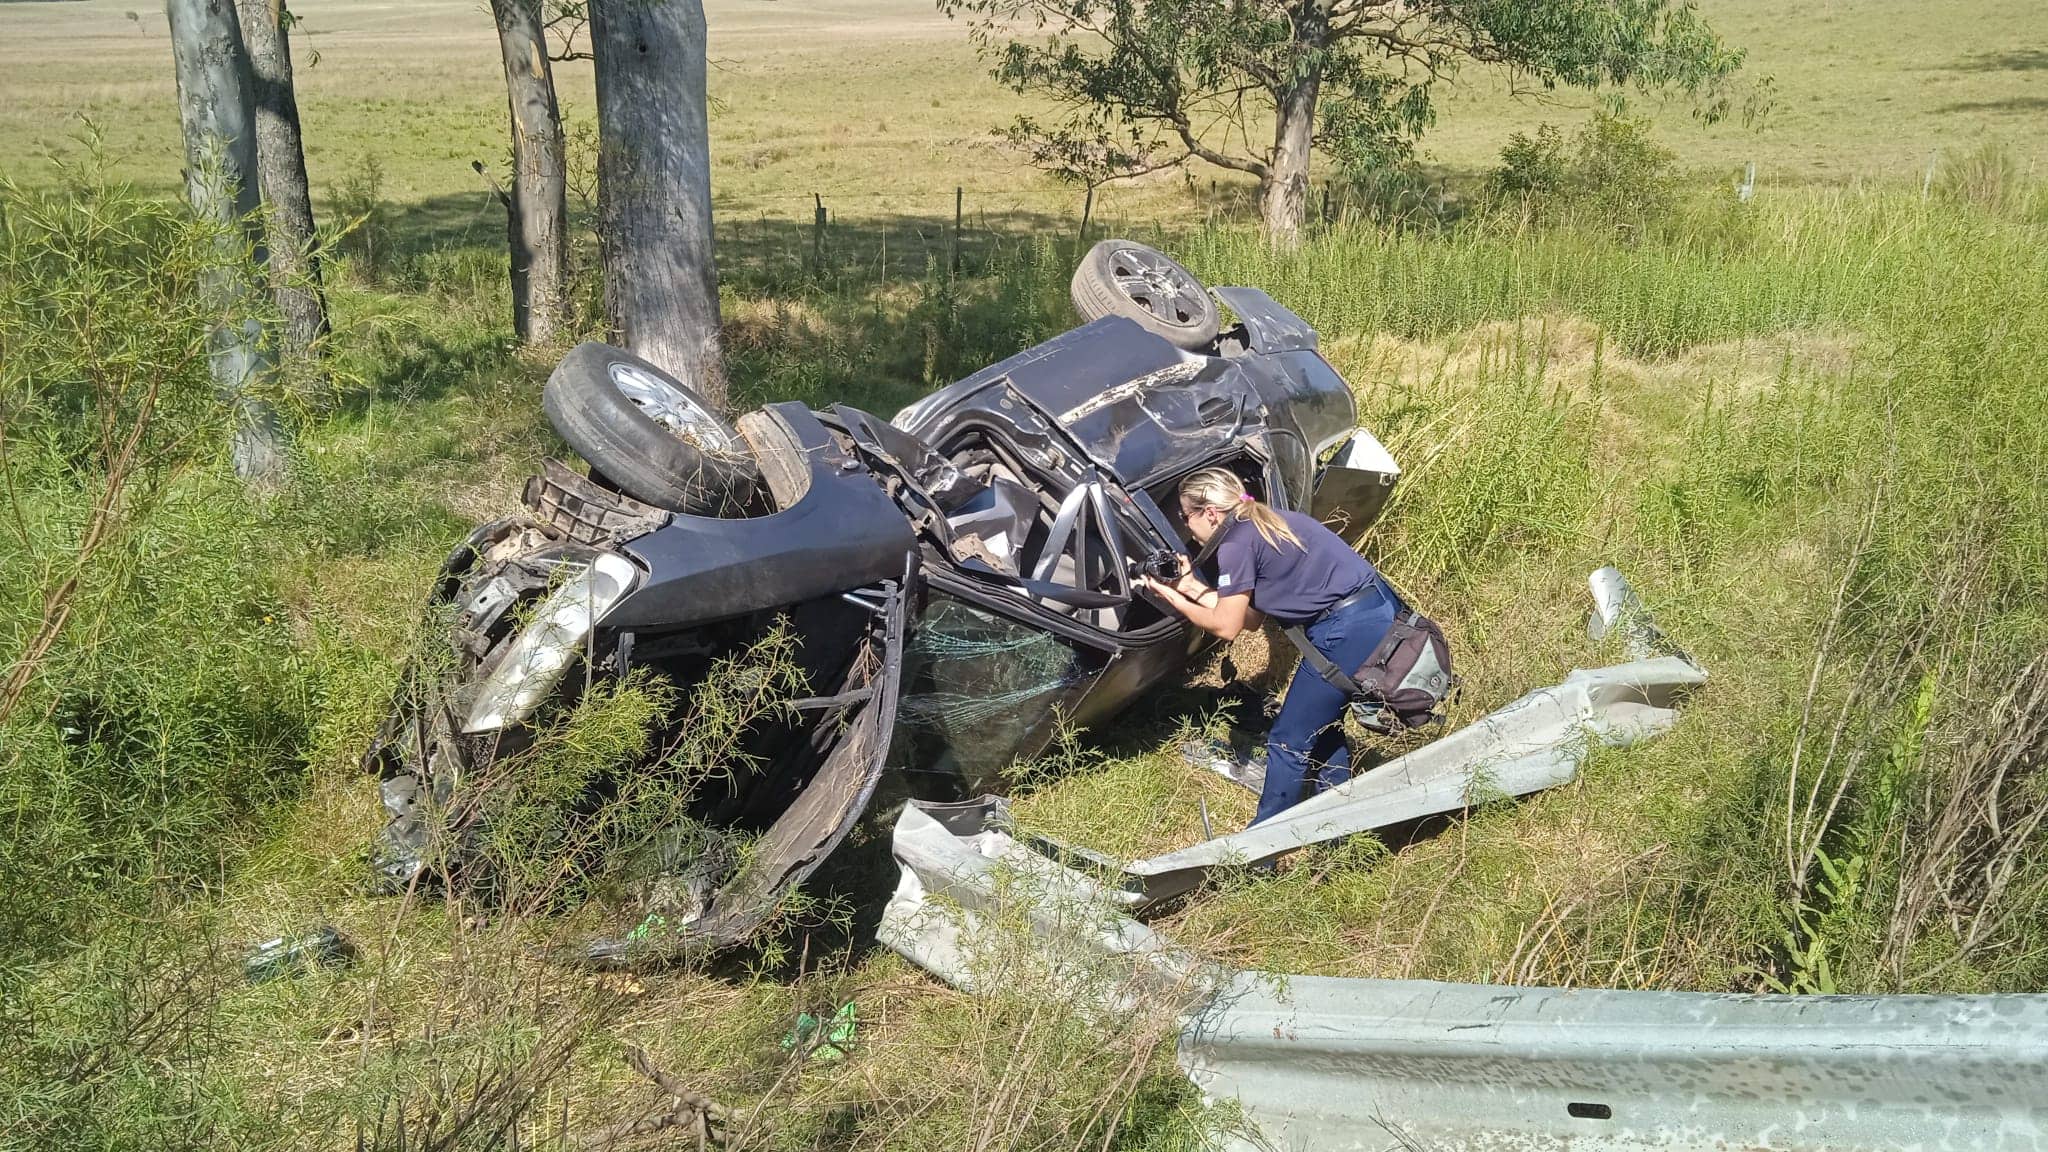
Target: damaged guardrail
(1379, 1064)
(1325, 1063)
(962, 867)
(1537, 742)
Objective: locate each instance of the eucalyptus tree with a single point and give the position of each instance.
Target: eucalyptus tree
(281, 167)
(537, 207)
(1259, 86)
(216, 111)
(654, 186)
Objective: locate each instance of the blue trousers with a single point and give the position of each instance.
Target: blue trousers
(1305, 752)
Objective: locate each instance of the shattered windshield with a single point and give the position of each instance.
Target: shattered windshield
(981, 690)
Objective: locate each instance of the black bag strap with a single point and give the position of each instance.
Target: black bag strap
(1336, 677)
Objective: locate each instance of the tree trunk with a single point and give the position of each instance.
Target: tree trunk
(654, 186)
(537, 216)
(281, 162)
(216, 111)
(1283, 190)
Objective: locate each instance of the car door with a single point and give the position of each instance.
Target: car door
(851, 737)
(988, 679)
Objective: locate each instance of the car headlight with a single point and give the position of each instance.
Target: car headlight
(544, 649)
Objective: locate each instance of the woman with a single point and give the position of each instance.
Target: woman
(1288, 566)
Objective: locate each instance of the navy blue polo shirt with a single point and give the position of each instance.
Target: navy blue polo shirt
(1292, 585)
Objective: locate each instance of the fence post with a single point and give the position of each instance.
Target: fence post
(817, 231)
(959, 204)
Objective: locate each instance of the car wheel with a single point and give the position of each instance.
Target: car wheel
(649, 433)
(1143, 284)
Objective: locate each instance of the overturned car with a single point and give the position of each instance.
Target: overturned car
(959, 578)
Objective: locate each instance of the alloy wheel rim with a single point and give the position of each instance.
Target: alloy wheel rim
(1157, 285)
(671, 408)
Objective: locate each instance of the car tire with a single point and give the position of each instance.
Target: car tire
(1148, 287)
(648, 433)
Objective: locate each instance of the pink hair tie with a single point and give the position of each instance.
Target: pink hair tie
(1247, 496)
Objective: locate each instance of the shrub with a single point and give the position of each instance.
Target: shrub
(364, 239)
(153, 693)
(1610, 175)
(1987, 177)
(1399, 194)
(1535, 167)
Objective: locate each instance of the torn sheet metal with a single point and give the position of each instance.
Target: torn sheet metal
(963, 871)
(1617, 609)
(1268, 325)
(1399, 1064)
(1355, 485)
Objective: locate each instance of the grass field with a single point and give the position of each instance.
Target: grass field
(879, 106)
(1808, 427)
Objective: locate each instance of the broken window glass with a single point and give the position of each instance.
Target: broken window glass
(981, 691)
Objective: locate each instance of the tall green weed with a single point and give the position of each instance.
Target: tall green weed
(152, 684)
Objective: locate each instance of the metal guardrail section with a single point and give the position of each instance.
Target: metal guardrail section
(1383, 1064)
(1322, 1063)
(1537, 742)
(962, 869)
(1333, 1064)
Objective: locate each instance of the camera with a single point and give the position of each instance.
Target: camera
(1160, 565)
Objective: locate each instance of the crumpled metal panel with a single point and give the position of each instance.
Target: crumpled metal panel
(1268, 325)
(1383, 1064)
(854, 734)
(1537, 742)
(1617, 609)
(962, 868)
(1355, 485)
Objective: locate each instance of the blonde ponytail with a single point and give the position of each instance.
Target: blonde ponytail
(1221, 488)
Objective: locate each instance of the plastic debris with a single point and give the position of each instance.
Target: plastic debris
(323, 947)
(837, 1038)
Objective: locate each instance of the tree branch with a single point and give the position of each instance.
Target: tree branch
(568, 21)
(1196, 148)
